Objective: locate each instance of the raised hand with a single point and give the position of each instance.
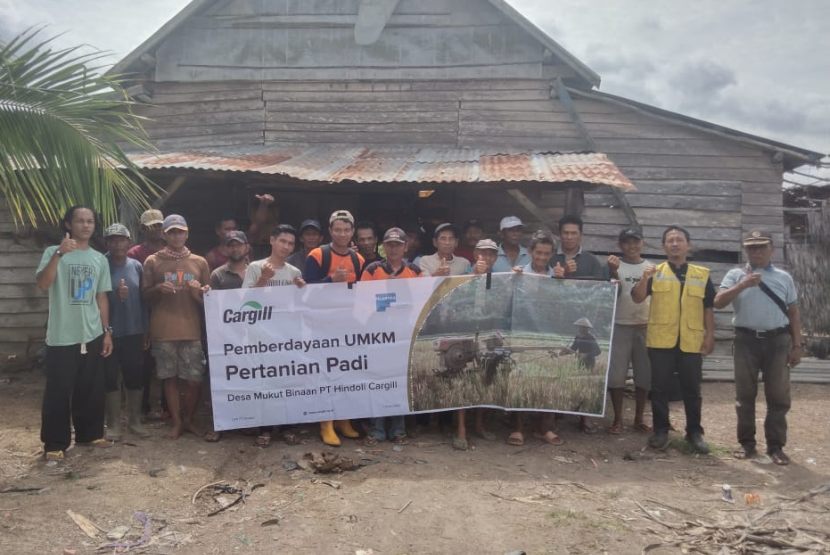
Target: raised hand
(570, 266)
(649, 271)
(341, 274)
(268, 271)
(558, 271)
(443, 269)
(265, 199)
(123, 290)
(613, 264)
(68, 244)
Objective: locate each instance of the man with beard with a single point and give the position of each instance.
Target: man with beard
(231, 274)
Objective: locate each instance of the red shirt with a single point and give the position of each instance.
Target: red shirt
(140, 253)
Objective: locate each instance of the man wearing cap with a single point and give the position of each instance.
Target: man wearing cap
(629, 341)
(128, 318)
(471, 234)
(78, 334)
(311, 236)
(151, 227)
(511, 253)
(231, 274)
(173, 288)
(335, 263)
(570, 261)
(681, 331)
(443, 262)
(767, 340)
(151, 222)
(218, 255)
(394, 267)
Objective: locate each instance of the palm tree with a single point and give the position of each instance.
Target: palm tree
(61, 124)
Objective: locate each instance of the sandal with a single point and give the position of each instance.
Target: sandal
(263, 441)
(779, 457)
(212, 437)
(517, 439)
(745, 453)
(550, 438)
(459, 444)
(485, 435)
(642, 427)
(100, 443)
(587, 427)
(290, 438)
(370, 441)
(53, 456)
(401, 440)
(615, 429)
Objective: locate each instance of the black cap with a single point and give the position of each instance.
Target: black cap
(235, 235)
(311, 223)
(630, 232)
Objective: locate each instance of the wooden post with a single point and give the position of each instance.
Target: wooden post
(531, 207)
(170, 191)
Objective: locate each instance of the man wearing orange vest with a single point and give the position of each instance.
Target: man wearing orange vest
(681, 331)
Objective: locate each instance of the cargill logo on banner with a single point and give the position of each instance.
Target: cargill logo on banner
(250, 313)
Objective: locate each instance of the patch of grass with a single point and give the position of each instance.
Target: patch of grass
(563, 517)
(612, 493)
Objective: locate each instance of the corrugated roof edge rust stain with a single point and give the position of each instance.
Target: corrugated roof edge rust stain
(336, 164)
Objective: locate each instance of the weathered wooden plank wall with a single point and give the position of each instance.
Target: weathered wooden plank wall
(23, 307)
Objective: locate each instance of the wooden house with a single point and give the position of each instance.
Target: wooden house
(403, 110)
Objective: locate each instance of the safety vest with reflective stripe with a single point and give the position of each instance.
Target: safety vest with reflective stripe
(671, 313)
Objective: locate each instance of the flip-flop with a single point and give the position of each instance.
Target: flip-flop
(550, 438)
(642, 428)
(615, 429)
(587, 428)
(263, 441)
(370, 441)
(516, 439)
(485, 434)
(743, 453)
(460, 444)
(401, 440)
(212, 437)
(100, 443)
(290, 438)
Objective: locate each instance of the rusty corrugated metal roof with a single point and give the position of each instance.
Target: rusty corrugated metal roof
(337, 164)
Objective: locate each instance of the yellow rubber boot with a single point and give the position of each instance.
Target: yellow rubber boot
(328, 435)
(345, 428)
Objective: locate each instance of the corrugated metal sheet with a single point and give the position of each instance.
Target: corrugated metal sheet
(337, 164)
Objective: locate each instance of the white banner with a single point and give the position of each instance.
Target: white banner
(283, 355)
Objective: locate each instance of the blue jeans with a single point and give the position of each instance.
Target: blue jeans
(378, 427)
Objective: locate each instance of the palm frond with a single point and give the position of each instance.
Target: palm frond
(60, 132)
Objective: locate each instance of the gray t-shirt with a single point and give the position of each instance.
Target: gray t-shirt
(629, 312)
(284, 276)
(73, 306)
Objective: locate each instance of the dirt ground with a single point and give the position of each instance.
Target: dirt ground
(596, 494)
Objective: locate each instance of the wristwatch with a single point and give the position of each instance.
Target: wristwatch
(108, 330)
(59, 253)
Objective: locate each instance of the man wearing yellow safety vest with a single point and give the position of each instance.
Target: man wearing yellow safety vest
(681, 331)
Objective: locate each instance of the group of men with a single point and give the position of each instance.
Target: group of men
(140, 307)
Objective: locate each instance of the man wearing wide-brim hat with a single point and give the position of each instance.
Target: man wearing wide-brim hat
(767, 341)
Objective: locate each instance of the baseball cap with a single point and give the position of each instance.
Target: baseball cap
(395, 234)
(630, 232)
(444, 227)
(311, 223)
(510, 221)
(487, 244)
(757, 237)
(235, 235)
(151, 217)
(117, 230)
(174, 221)
(343, 215)
(472, 223)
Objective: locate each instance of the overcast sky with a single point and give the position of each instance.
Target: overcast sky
(761, 66)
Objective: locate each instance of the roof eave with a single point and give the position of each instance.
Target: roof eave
(156, 38)
(558, 50)
(795, 154)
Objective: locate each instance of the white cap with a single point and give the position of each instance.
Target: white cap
(510, 221)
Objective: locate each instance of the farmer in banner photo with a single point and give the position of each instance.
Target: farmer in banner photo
(767, 340)
(78, 334)
(175, 281)
(335, 263)
(394, 267)
(681, 331)
(274, 271)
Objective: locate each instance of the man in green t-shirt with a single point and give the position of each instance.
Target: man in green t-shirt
(77, 336)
